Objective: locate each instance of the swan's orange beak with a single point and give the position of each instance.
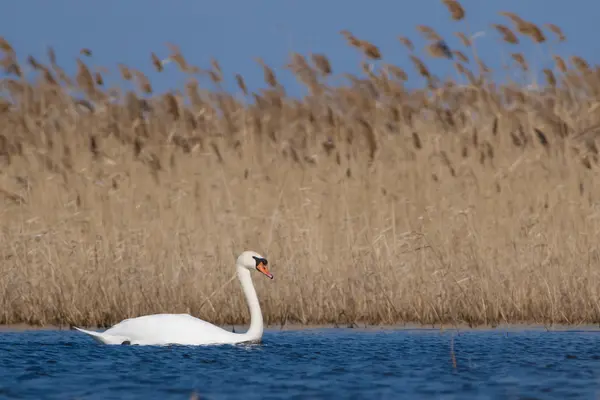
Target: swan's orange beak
(263, 268)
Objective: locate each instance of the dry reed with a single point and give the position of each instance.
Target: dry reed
(453, 203)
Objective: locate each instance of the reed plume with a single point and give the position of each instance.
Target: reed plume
(455, 9)
(507, 35)
(406, 42)
(557, 31)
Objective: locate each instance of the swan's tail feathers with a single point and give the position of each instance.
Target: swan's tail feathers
(104, 339)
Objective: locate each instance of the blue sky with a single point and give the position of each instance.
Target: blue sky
(235, 32)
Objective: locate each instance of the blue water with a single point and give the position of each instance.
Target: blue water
(309, 364)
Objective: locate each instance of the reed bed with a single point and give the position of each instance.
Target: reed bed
(462, 201)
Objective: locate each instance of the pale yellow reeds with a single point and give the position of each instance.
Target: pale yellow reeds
(455, 203)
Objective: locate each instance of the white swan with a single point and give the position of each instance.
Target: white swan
(183, 329)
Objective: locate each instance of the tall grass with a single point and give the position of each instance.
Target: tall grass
(460, 202)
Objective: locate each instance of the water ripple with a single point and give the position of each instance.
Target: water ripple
(335, 363)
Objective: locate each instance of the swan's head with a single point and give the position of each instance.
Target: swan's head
(253, 261)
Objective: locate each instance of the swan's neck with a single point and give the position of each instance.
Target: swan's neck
(256, 321)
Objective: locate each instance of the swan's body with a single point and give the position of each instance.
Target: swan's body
(183, 329)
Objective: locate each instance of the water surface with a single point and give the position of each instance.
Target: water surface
(309, 364)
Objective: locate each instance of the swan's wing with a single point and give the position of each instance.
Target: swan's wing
(169, 329)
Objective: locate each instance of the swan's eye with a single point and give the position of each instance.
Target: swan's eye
(260, 261)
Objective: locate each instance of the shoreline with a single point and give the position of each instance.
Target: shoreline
(358, 327)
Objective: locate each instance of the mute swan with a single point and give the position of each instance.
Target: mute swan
(183, 329)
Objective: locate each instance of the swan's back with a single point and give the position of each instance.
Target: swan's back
(169, 328)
